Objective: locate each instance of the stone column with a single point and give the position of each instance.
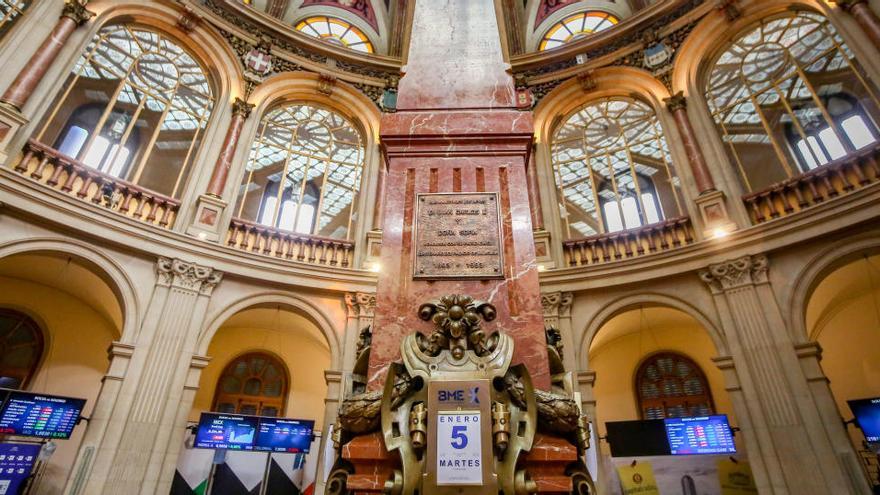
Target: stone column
(21, 89)
(360, 309)
(241, 110)
(790, 450)
(677, 106)
(713, 211)
(557, 314)
(866, 17)
(178, 431)
(154, 390)
(331, 407)
(586, 380)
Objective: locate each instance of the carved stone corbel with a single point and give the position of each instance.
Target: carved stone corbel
(187, 276)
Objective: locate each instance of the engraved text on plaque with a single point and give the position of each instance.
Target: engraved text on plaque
(457, 235)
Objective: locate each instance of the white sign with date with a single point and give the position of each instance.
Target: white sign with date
(459, 449)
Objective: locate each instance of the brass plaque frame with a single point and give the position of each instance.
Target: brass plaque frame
(457, 268)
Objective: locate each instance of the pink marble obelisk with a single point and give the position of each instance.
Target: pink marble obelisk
(457, 130)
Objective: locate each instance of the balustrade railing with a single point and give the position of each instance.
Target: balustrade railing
(49, 167)
(839, 177)
(255, 238)
(626, 244)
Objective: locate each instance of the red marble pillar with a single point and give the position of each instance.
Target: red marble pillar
(457, 129)
(18, 93)
(380, 195)
(535, 195)
(240, 112)
(866, 17)
(677, 106)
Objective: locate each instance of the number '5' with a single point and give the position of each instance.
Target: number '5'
(459, 437)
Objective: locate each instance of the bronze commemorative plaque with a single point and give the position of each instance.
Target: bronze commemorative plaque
(457, 236)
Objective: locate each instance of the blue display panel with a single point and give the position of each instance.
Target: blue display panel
(284, 435)
(699, 435)
(39, 415)
(16, 462)
(226, 431)
(867, 413)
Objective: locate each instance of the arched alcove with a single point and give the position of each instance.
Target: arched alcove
(79, 316)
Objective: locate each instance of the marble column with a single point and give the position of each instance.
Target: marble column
(791, 451)
(159, 384)
(866, 17)
(241, 110)
(534, 195)
(678, 108)
(360, 309)
(73, 15)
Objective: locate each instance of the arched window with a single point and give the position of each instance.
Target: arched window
(613, 168)
(788, 96)
(10, 12)
(319, 155)
(135, 107)
(670, 385)
(575, 27)
(255, 384)
(21, 346)
(336, 31)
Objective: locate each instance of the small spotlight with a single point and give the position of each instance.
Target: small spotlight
(542, 268)
(375, 267)
(202, 236)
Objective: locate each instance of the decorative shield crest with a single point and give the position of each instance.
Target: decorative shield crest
(258, 61)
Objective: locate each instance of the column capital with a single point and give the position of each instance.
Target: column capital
(76, 11)
(187, 276)
(731, 274)
(242, 108)
(676, 102)
(556, 304)
(847, 5)
(360, 304)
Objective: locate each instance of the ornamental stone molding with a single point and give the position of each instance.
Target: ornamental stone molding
(187, 276)
(556, 304)
(361, 304)
(76, 11)
(732, 274)
(242, 108)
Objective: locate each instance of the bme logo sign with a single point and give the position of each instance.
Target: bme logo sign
(458, 396)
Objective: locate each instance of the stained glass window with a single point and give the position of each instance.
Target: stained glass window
(788, 96)
(254, 383)
(613, 169)
(576, 27)
(336, 31)
(135, 106)
(670, 385)
(21, 346)
(304, 172)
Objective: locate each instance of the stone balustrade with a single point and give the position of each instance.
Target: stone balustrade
(839, 177)
(262, 239)
(63, 173)
(605, 248)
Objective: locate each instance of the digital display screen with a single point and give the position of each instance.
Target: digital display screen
(226, 431)
(284, 435)
(867, 413)
(699, 435)
(40, 415)
(16, 463)
(637, 438)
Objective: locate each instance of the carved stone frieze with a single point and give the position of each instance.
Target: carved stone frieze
(732, 274)
(187, 276)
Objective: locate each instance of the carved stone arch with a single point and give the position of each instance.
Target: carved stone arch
(197, 35)
(816, 270)
(312, 312)
(699, 50)
(102, 265)
(629, 302)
